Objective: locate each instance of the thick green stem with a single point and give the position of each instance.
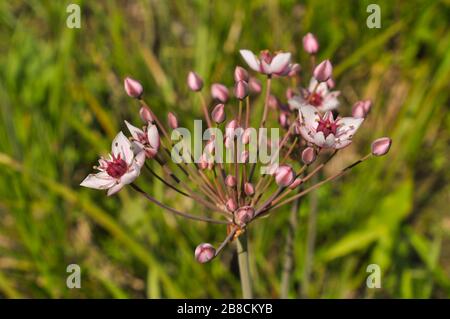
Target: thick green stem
(244, 267)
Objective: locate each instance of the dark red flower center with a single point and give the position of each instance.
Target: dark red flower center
(315, 99)
(117, 167)
(327, 127)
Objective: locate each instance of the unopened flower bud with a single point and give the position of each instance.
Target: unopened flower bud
(284, 119)
(240, 74)
(244, 215)
(219, 92)
(133, 87)
(173, 121)
(194, 81)
(231, 205)
(246, 135)
(241, 90)
(310, 43)
(381, 146)
(273, 102)
(145, 114)
(308, 155)
(323, 71)
(249, 189)
(218, 113)
(295, 183)
(284, 175)
(230, 181)
(204, 253)
(330, 83)
(254, 85)
(244, 156)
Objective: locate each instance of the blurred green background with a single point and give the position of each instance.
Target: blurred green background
(62, 101)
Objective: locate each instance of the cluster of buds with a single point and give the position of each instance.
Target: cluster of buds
(235, 193)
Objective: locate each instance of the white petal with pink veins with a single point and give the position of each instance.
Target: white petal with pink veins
(264, 67)
(342, 143)
(309, 116)
(115, 189)
(139, 159)
(330, 101)
(321, 89)
(131, 175)
(307, 134)
(280, 62)
(121, 145)
(251, 59)
(98, 181)
(153, 136)
(347, 127)
(329, 141)
(319, 139)
(135, 132)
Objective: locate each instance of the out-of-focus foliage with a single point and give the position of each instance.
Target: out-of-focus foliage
(61, 102)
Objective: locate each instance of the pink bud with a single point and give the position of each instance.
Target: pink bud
(230, 181)
(323, 71)
(273, 102)
(231, 205)
(254, 85)
(284, 119)
(249, 189)
(203, 162)
(244, 215)
(210, 146)
(218, 113)
(308, 155)
(244, 156)
(204, 253)
(240, 74)
(381, 146)
(145, 114)
(361, 108)
(219, 92)
(284, 175)
(330, 83)
(295, 183)
(310, 43)
(133, 87)
(241, 90)
(194, 81)
(173, 121)
(246, 136)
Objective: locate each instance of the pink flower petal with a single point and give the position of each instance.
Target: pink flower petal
(98, 181)
(250, 59)
(280, 62)
(121, 145)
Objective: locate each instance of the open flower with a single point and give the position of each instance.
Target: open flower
(268, 63)
(121, 168)
(317, 95)
(146, 139)
(325, 131)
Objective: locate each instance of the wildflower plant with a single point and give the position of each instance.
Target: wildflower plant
(233, 175)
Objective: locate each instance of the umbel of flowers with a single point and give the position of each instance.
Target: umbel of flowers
(236, 194)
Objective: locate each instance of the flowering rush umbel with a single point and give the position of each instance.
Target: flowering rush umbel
(235, 192)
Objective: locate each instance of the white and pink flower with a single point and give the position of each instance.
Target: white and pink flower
(277, 64)
(325, 131)
(122, 167)
(317, 95)
(146, 139)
